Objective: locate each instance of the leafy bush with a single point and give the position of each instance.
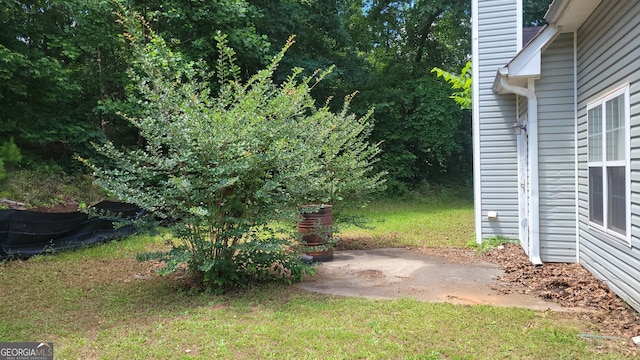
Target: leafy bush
(10, 153)
(222, 169)
(461, 83)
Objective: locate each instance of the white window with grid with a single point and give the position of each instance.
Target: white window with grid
(608, 161)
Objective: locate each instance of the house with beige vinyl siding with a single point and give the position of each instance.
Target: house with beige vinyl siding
(556, 114)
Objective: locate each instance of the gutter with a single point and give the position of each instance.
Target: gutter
(532, 131)
(556, 11)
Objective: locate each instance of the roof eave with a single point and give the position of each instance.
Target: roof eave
(527, 63)
(569, 15)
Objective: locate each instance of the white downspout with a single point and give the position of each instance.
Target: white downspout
(475, 83)
(575, 140)
(532, 131)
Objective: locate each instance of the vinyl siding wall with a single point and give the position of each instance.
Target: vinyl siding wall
(608, 58)
(556, 149)
(497, 34)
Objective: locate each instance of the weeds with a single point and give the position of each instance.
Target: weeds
(49, 187)
(491, 243)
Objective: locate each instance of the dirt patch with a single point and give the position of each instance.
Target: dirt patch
(62, 207)
(370, 274)
(461, 255)
(570, 285)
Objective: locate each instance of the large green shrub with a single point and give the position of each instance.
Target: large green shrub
(222, 168)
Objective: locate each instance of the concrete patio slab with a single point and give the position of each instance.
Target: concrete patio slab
(398, 272)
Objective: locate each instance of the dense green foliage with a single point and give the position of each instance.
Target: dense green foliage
(64, 67)
(63, 70)
(425, 137)
(223, 166)
(460, 83)
(57, 62)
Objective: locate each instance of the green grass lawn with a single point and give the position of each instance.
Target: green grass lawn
(100, 303)
(420, 222)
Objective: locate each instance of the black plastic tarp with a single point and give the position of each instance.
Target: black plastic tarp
(26, 233)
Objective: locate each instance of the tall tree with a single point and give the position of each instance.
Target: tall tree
(420, 127)
(534, 11)
(323, 39)
(58, 59)
(191, 25)
(63, 66)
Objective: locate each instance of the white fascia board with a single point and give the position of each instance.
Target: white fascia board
(527, 63)
(527, 68)
(556, 9)
(570, 14)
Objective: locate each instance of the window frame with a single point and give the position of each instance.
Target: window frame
(604, 164)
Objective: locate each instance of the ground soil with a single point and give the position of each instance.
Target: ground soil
(570, 285)
(69, 205)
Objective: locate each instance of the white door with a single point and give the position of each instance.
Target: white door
(523, 187)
